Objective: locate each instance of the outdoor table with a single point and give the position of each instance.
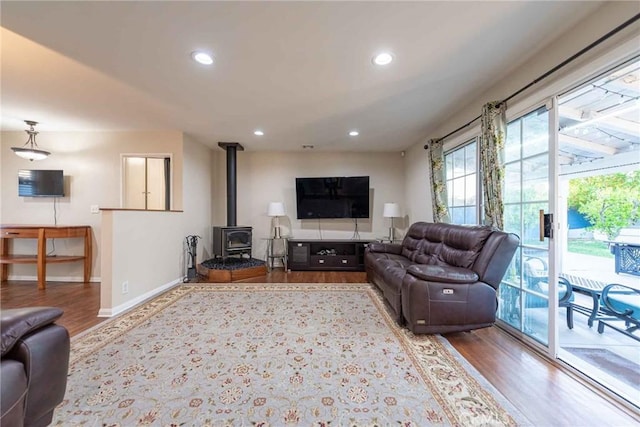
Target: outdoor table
(589, 287)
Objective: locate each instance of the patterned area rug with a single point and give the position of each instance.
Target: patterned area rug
(271, 355)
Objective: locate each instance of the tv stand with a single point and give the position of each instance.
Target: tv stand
(343, 255)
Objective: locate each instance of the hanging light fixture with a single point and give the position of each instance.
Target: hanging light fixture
(30, 150)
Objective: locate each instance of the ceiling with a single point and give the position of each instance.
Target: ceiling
(299, 71)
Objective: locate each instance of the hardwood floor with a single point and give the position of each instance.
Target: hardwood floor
(545, 393)
(80, 301)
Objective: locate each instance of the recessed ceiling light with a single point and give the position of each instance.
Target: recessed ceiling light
(354, 133)
(383, 58)
(202, 57)
(258, 132)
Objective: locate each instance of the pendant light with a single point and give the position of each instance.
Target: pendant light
(30, 149)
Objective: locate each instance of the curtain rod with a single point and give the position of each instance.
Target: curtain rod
(551, 71)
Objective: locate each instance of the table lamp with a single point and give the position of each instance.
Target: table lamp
(391, 210)
(276, 209)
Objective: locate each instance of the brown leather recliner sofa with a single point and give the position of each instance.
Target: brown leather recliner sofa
(442, 277)
(34, 365)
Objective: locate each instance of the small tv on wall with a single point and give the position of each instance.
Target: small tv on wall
(40, 183)
(332, 197)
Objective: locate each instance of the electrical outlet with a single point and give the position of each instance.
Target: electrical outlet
(125, 287)
(95, 209)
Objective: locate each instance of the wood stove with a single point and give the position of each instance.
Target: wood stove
(231, 240)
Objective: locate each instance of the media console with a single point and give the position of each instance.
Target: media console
(346, 255)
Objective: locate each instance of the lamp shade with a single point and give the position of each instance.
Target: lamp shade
(391, 210)
(276, 209)
(30, 153)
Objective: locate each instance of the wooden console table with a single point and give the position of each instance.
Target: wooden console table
(42, 233)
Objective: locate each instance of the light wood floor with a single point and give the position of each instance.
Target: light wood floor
(545, 393)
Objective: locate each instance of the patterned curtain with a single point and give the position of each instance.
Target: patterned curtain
(438, 186)
(494, 130)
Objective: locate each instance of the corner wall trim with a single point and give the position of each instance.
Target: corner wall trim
(110, 312)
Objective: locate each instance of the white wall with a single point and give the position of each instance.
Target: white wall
(603, 20)
(265, 177)
(143, 249)
(91, 164)
(146, 249)
(197, 195)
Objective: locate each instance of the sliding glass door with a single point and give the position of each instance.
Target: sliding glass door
(578, 158)
(599, 189)
(524, 293)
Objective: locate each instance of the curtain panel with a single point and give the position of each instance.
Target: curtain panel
(438, 186)
(494, 130)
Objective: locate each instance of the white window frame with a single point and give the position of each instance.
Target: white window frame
(478, 185)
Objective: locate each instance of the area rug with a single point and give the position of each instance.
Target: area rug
(609, 362)
(271, 355)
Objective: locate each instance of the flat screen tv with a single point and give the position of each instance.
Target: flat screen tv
(332, 197)
(40, 183)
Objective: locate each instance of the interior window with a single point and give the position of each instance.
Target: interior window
(146, 182)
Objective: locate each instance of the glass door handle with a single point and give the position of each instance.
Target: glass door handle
(545, 225)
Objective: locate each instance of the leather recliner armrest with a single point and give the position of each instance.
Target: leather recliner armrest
(390, 248)
(442, 273)
(18, 322)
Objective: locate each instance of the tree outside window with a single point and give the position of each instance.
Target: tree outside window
(609, 202)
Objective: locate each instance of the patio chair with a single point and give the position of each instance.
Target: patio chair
(565, 297)
(535, 270)
(620, 303)
(536, 274)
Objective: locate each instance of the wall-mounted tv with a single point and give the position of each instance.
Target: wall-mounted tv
(40, 183)
(332, 197)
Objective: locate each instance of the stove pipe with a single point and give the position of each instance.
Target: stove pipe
(232, 191)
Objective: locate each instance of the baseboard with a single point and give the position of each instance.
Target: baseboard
(110, 312)
(73, 279)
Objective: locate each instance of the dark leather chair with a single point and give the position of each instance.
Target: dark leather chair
(34, 366)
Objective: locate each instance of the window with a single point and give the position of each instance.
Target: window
(461, 172)
(146, 182)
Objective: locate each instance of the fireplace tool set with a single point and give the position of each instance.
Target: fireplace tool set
(192, 250)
